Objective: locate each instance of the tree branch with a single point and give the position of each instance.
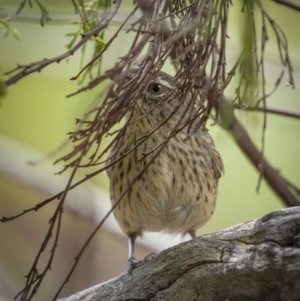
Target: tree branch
(249, 261)
(288, 4)
(271, 110)
(230, 123)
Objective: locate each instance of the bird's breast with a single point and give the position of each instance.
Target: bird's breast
(173, 190)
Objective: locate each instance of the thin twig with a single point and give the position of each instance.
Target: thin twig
(289, 4)
(271, 110)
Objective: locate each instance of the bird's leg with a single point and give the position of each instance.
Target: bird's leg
(132, 262)
(192, 233)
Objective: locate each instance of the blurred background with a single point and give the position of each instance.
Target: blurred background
(35, 116)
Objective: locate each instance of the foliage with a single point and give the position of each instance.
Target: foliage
(91, 14)
(7, 29)
(44, 12)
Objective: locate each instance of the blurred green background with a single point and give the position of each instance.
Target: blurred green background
(35, 116)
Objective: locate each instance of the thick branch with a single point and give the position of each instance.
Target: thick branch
(256, 260)
(230, 123)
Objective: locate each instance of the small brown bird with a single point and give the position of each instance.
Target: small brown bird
(177, 192)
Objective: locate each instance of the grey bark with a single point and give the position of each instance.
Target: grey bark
(256, 260)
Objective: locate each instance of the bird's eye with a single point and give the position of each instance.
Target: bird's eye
(155, 88)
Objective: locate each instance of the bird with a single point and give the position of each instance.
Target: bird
(175, 174)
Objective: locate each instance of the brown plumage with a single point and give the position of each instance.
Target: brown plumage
(177, 192)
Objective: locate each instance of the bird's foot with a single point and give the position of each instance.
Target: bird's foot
(133, 263)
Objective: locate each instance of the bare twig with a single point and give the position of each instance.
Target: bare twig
(271, 110)
(25, 211)
(289, 4)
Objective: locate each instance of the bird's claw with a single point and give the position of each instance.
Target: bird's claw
(133, 263)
